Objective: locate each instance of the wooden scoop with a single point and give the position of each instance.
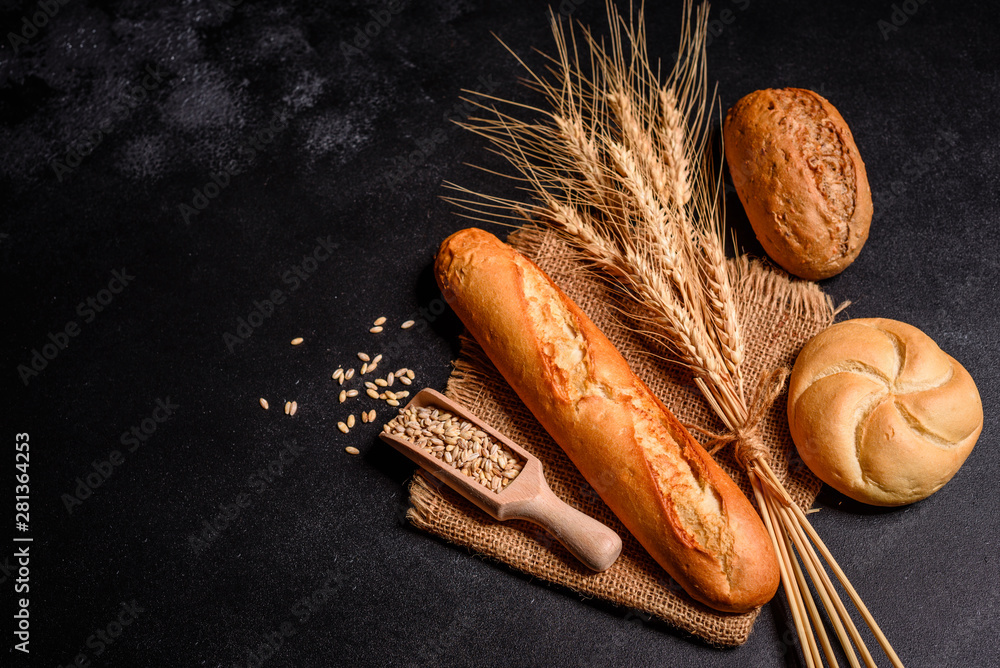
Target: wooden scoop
(526, 497)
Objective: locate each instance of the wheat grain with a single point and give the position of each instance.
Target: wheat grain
(621, 166)
(456, 442)
(670, 134)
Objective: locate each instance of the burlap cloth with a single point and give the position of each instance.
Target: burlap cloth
(778, 315)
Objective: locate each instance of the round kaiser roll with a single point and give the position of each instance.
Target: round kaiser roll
(879, 412)
(800, 178)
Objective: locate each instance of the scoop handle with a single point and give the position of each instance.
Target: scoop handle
(593, 543)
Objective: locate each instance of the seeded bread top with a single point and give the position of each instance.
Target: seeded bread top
(825, 151)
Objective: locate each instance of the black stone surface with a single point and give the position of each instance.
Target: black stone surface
(319, 135)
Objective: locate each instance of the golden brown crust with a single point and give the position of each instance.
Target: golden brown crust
(801, 179)
(683, 508)
(879, 412)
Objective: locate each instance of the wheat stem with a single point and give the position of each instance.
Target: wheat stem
(620, 165)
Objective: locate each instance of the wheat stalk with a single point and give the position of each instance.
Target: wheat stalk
(620, 164)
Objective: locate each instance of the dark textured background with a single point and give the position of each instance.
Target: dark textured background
(362, 142)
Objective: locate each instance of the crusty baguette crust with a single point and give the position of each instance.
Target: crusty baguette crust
(673, 497)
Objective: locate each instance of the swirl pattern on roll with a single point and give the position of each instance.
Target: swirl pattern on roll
(879, 412)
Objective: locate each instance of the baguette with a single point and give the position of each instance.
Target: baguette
(688, 514)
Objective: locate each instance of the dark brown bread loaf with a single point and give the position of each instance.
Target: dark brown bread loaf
(801, 179)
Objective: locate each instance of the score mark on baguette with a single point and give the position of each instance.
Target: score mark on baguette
(667, 490)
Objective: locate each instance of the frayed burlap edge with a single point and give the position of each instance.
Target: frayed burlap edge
(778, 315)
